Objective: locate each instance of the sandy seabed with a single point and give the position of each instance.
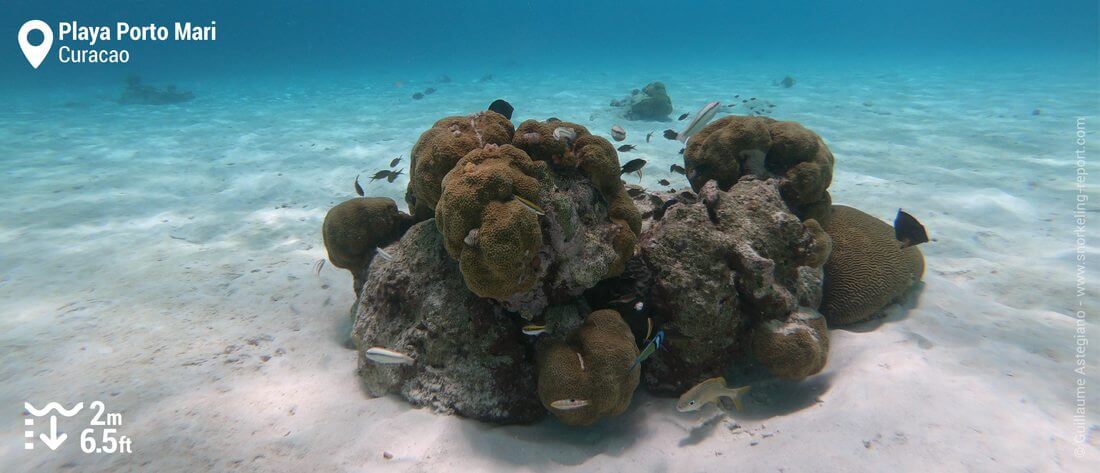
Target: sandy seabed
(160, 259)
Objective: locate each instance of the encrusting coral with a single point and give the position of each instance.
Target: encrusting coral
(494, 236)
(355, 228)
(868, 268)
(735, 146)
(593, 365)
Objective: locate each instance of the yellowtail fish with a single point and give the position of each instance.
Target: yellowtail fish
(702, 117)
(534, 330)
(530, 205)
(709, 391)
(384, 254)
(568, 404)
(388, 357)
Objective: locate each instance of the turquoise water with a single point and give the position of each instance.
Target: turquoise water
(151, 256)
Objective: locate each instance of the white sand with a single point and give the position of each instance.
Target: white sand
(154, 258)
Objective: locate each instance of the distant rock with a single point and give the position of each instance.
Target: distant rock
(138, 93)
(651, 103)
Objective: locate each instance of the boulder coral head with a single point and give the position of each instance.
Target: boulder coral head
(723, 264)
(489, 217)
(736, 146)
(868, 268)
(441, 146)
(793, 348)
(355, 228)
(589, 375)
(652, 103)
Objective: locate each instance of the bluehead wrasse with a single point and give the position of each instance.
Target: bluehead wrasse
(568, 404)
(702, 117)
(530, 205)
(384, 254)
(388, 357)
(534, 330)
(650, 347)
(710, 391)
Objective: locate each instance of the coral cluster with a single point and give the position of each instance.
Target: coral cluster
(868, 269)
(650, 103)
(535, 276)
(736, 146)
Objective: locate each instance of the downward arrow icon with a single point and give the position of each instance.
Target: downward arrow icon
(54, 440)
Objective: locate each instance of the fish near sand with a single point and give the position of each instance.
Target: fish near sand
(678, 169)
(670, 134)
(618, 133)
(652, 346)
(530, 205)
(634, 165)
(393, 174)
(710, 391)
(664, 182)
(627, 148)
(502, 107)
(648, 136)
(702, 117)
(683, 116)
(418, 96)
(429, 91)
(388, 357)
(358, 188)
(395, 161)
(908, 230)
(383, 174)
(568, 404)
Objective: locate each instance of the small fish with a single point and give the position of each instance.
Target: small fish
(702, 117)
(652, 346)
(358, 188)
(634, 165)
(530, 205)
(568, 404)
(678, 169)
(618, 133)
(710, 391)
(664, 182)
(639, 306)
(683, 116)
(627, 148)
(395, 161)
(502, 107)
(564, 133)
(383, 174)
(681, 151)
(318, 265)
(581, 359)
(384, 254)
(393, 175)
(429, 91)
(671, 134)
(418, 96)
(648, 136)
(388, 357)
(908, 230)
(534, 330)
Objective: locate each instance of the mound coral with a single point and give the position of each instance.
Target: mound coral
(354, 229)
(736, 146)
(439, 148)
(867, 270)
(722, 264)
(792, 348)
(593, 365)
(652, 103)
(494, 235)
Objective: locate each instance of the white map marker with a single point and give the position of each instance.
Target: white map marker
(35, 54)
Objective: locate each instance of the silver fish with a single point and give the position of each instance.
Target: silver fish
(618, 133)
(384, 254)
(710, 391)
(534, 330)
(388, 357)
(568, 404)
(564, 133)
(702, 117)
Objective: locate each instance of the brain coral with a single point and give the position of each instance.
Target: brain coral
(792, 348)
(592, 364)
(734, 146)
(867, 270)
(494, 236)
(439, 148)
(353, 229)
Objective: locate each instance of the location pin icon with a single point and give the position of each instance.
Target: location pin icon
(35, 54)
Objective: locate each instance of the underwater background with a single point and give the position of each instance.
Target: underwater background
(160, 258)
